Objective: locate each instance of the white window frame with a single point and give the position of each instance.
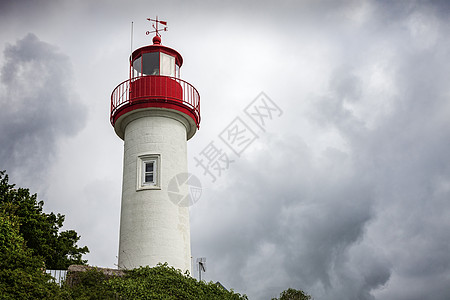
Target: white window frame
(142, 160)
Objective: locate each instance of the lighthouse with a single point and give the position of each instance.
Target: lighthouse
(155, 113)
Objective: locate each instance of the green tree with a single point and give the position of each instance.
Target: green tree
(293, 294)
(41, 231)
(21, 274)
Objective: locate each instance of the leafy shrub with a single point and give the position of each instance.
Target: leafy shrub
(164, 282)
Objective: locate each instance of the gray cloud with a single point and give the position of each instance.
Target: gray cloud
(299, 227)
(368, 220)
(39, 106)
(404, 151)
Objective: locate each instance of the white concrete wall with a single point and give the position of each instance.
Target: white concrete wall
(152, 228)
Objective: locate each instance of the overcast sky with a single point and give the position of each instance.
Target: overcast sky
(343, 191)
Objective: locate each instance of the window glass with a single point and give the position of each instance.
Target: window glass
(150, 63)
(167, 65)
(137, 67)
(149, 167)
(149, 178)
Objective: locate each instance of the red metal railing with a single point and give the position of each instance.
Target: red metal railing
(156, 89)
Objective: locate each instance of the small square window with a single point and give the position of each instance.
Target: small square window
(148, 172)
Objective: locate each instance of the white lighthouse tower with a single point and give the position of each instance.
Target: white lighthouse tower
(155, 113)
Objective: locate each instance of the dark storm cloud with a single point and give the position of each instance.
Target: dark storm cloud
(369, 220)
(404, 153)
(39, 106)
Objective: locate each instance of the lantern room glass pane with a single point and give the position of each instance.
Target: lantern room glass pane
(137, 67)
(150, 63)
(167, 65)
(177, 71)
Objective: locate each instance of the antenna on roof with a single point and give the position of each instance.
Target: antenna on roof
(156, 29)
(131, 36)
(201, 265)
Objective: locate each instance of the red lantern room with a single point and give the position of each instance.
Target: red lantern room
(155, 84)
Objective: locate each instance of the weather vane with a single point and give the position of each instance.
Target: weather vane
(156, 27)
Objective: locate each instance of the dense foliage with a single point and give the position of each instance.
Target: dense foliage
(41, 231)
(160, 282)
(91, 284)
(21, 273)
(293, 294)
(164, 282)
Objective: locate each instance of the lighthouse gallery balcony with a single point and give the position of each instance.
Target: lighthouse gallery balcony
(155, 91)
